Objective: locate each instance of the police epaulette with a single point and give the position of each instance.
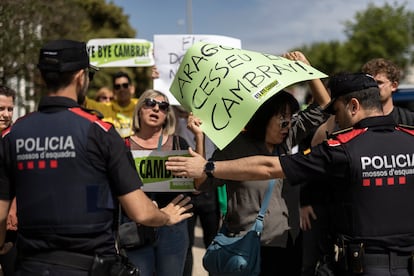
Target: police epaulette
(94, 112)
(345, 135)
(406, 126)
(335, 133)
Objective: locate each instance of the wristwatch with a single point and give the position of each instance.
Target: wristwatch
(209, 168)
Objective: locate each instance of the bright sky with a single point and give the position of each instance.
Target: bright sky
(266, 26)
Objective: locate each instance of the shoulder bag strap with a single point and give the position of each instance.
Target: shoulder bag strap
(258, 226)
(160, 142)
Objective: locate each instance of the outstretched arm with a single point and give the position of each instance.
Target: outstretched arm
(248, 168)
(141, 209)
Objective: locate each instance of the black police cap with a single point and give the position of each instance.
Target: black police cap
(346, 83)
(64, 56)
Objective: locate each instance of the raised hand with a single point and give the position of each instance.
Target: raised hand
(177, 209)
(296, 55)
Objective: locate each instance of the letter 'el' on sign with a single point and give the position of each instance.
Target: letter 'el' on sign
(224, 86)
(169, 51)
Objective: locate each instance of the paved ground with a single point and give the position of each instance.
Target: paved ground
(198, 252)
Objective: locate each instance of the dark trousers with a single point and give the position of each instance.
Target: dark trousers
(318, 243)
(8, 261)
(31, 268)
(207, 210)
(376, 263)
(279, 261)
(378, 271)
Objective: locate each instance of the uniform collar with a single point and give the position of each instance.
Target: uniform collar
(56, 103)
(377, 121)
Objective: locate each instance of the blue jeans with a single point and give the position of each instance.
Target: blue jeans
(168, 256)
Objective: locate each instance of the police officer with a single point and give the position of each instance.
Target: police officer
(68, 169)
(370, 166)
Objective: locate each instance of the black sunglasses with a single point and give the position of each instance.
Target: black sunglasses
(124, 85)
(106, 98)
(151, 103)
(284, 123)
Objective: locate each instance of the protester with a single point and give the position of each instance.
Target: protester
(7, 98)
(387, 74)
(275, 129)
(154, 126)
(104, 94)
(369, 165)
(205, 204)
(68, 169)
(120, 110)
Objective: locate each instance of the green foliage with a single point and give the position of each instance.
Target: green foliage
(386, 32)
(104, 20)
(379, 32)
(23, 33)
(108, 21)
(326, 56)
(27, 24)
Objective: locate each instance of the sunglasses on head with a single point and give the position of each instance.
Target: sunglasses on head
(123, 85)
(161, 105)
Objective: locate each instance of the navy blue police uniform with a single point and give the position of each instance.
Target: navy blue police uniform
(66, 168)
(373, 186)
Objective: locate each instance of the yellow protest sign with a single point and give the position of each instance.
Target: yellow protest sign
(224, 86)
(150, 165)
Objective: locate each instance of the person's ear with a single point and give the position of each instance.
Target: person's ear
(132, 89)
(80, 77)
(394, 86)
(354, 105)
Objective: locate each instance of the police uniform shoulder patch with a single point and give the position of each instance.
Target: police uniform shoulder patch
(307, 151)
(344, 135)
(91, 117)
(406, 128)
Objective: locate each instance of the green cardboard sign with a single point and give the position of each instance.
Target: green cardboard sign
(120, 52)
(224, 86)
(150, 166)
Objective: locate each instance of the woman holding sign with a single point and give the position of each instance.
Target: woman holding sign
(275, 129)
(154, 127)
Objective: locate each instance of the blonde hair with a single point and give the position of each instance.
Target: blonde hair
(169, 124)
(103, 91)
